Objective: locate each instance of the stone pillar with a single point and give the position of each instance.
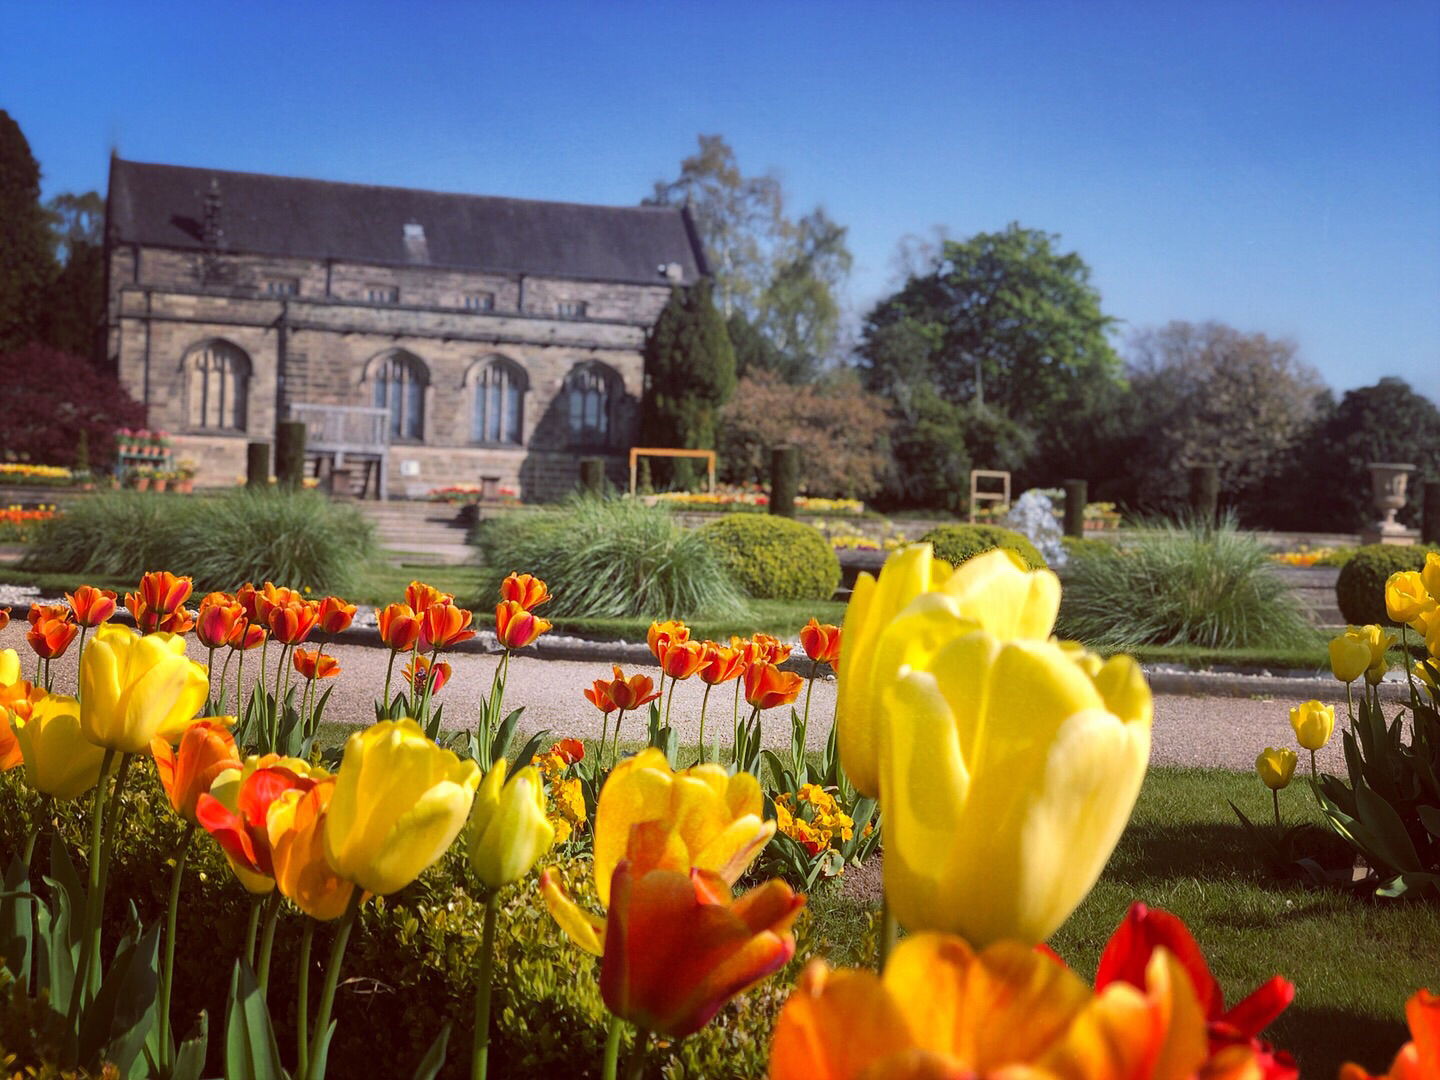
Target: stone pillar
(290, 454)
(784, 480)
(592, 476)
(1430, 513)
(1205, 493)
(1076, 496)
(257, 465)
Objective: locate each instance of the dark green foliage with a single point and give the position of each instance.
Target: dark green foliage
(773, 558)
(27, 265)
(689, 372)
(294, 539)
(290, 454)
(609, 559)
(257, 464)
(1088, 547)
(957, 543)
(1183, 584)
(755, 352)
(51, 398)
(784, 480)
(1360, 588)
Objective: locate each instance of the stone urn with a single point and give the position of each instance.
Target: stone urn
(1389, 482)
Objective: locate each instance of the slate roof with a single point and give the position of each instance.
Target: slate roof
(164, 205)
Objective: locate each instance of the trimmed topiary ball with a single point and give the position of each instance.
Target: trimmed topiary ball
(1360, 589)
(957, 543)
(773, 558)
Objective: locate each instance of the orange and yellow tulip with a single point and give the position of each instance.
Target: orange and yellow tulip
(16, 702)
(417, 673)
(662, 635)
(399, 627)
(1419, 1059)
(312, 664)
(291, 623)
(150, 621)
(335, 615)
(683, 659)
(764, 649)
(443, 626)
(515, 627)
(821, 642)
(631, 692)
(420, 596)
(721, 663)
(217, 620)
(247, 635)
(234, 812)
(163, 592)
(295, 830)
(568, 750)
(526, 590)
(206, 750)
(50, 636)
(767, 687)
(91, 606)
(598, 694)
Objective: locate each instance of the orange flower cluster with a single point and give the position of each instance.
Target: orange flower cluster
(159, 605)
(51, 630)
(516, 624)
(426, 622)
(755, 659)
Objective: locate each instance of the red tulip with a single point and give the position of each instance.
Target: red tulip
(50, 636)
(515, 627)
(313, 664)
(767, 687)
(443, 626)
(599, 696)
(91, 606)
(4, 617)
(569, 750)
(206, 750)
(335, 615)
(526, 590)
(247, 635)
(399, 627)
(291, 623)
(163, 592)
(720, 664)
(1419, 1059)
(821, 642)
(242, 833)
(633, 692)
(217, 620)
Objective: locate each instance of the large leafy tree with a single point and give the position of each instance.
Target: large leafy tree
(73, 314)
(1007, 321)
(781, 275)
(26, 262)
(689, 371)
(52, 399)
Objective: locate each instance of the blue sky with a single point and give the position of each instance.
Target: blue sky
(1274, 165)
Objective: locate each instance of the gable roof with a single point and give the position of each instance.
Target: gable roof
(164, 205)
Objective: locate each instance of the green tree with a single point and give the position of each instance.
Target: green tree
(781, 275)
(73, 310)
(26, 263)
(689, 372)
(1007, 320)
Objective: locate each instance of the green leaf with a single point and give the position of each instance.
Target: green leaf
(500, 747)
(190, 1058)
(322, 1054)
(250, 1049)
(434, 1059)
(17, 946)
(114, 1026)
(1430, 818)
(1389, 840)
(527, 752)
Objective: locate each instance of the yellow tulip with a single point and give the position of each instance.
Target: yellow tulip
(1349, 656)
(1276, 767)
(715, 817)
(399, 802)
(9, 667)
(1314, 723)
(59, 759)
(1378, 639)
(1406, 597)
(1430, 574)
(508, 830)
(1007, 775)
(134, 688)
(885, 628)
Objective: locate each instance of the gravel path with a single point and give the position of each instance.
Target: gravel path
(1189, 730)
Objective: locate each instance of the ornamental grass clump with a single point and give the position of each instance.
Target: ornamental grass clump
(1183, 584)
(612, 559)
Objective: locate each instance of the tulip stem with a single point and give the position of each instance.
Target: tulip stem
(209, 667)
(1314, 772)
(252, 931)
(302, 1000)
(1350, 705)
(225, 674)
(480, 1059)
(889, 933)
(389, 670)
(92, 911)
(267, 941)
(637, 1054)
(79, 655)
(671, 699)
(614, 749)
(703, 701)
(112, 826)
(612, 1048)
(332, 977)
(167, 972)
(1275, 794)
(47, 673)
(272, 742)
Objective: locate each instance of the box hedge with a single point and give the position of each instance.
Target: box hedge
(957, 543)
(1360, 588)
(773, 558)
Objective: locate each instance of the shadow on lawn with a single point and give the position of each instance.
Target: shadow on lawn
(1334, 1036)
(1155, 852)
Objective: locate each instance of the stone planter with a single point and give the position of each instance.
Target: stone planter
(1389, 484)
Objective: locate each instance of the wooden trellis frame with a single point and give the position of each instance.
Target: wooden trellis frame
(976, 495)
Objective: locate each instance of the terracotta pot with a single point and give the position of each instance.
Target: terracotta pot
(142, 483)
(160, 483)
(185, 487)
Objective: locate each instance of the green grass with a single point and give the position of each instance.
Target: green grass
(1354, 960)
(379, 582)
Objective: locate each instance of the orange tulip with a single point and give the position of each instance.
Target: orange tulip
(218, 620)
(683, 659)
(16, 700)
(179, 621)
(821, 642)
(248, 597)
(662, 635)
(163, 592)
(247, 635)
(91, 606)
(526, 590)
(677, 947)
(312, 664)
(569, 750)
(242, 832)
(443, 626)
(210, 599)
(420, 596)
(150, 621)
(399, 628)
(47, 611)
(599, 696)
(4, 617)
(515, 627)
(335, 615)
(291, 623)
(721, 663)
(764, 649)
(295, 829)
(206, 750)
(50, 636)
(633, 692)
(1419, 1059)
(767, 687)
(421, 670)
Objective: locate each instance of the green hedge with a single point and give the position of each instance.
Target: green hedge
(221, 541)
(773, 558)
(1360, 588)
(957, 543)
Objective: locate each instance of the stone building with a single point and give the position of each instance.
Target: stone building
(461, 338)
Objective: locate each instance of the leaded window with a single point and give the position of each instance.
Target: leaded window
(592, 393)
(219, 379)
(398, 385)
(499, 389)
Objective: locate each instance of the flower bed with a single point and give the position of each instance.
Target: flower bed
(756, 500)
(19, 523)
(14, 472)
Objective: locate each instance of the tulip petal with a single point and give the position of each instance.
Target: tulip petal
(836, 1024)
(429, 826)
(1008, 601)
(586, 930)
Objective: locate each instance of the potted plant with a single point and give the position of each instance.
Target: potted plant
(185, 477)
(140, 478)
(160, 481)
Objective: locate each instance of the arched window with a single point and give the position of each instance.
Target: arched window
(497, 414)
(219, 377)
(592, 392)
(398, 382)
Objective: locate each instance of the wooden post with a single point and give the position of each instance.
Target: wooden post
(1430, 512)
(1205, 493)
(290, 454)
(784, 480)
(592, 476)
(1076, 495)
(257, 465)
